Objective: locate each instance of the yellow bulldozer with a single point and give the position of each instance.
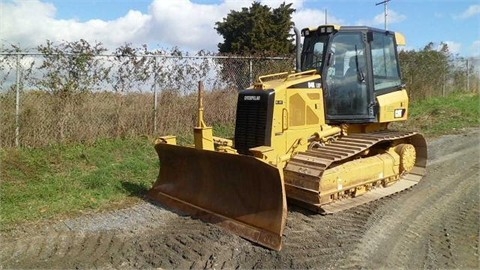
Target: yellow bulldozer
(317, 136)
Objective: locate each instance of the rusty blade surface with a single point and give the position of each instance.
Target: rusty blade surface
(239, 193)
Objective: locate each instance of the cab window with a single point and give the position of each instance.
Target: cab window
(386, 73)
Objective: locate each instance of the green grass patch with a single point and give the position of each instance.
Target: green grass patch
(224, 131)
(443, 115)
(56, 181)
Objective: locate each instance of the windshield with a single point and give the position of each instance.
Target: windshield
(314, 48)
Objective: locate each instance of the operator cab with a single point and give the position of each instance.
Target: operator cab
(356, 64)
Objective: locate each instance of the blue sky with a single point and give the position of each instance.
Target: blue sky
(189, 24)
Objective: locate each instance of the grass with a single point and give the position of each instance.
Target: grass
(224, 131)
(443, 115)
(56, 181)
(38, 184)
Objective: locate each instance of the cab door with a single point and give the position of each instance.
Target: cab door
(348, 94)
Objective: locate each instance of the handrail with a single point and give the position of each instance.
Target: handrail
(287, 75)
(307, 72)
(260, 78)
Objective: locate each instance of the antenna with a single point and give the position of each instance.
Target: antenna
(325, 16)
(384, 10)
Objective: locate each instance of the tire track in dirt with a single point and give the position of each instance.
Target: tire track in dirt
(406, 231)
(316, 240)
(190, 244)
(400, 232)
(88, 239)
(431, 220)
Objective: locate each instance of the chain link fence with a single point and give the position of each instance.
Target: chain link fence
(50, 99)
(62, 98)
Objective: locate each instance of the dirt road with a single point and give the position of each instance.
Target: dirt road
(434, 225)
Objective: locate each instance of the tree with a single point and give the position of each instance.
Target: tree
(72, 67)
(257, 31)
(425, 71)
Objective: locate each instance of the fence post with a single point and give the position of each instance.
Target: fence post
(468, 76)
(250, 71)
(17, 103)
(155, 95)
(444, 85)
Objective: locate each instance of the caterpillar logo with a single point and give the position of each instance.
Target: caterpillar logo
(254, 98)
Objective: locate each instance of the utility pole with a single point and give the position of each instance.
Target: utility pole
(384, 10)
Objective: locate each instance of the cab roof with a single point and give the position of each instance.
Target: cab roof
(399, 37)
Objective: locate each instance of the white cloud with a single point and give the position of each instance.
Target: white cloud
(20, 21)
(297, 4)
(453, 47)
(181, 23)
(184, 23)
(31, 23)
(470, 12)
(313, 17)
(392, 18)
(190, 25)
(475, 48)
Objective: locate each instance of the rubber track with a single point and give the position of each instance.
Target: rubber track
(314, 162)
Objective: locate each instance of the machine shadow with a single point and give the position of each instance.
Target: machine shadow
(135, 189)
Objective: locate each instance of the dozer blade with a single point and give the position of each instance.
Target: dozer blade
(239, 193)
